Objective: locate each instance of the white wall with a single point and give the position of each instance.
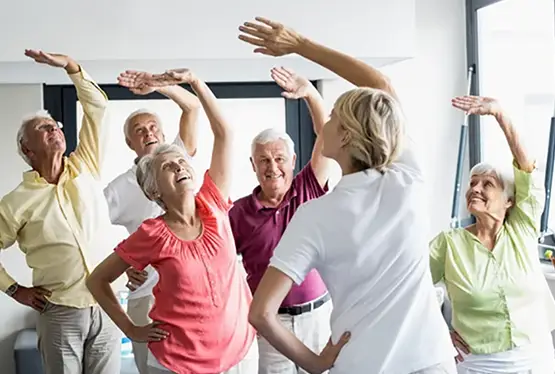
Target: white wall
(123, 34)
(425, 85)
(16, 101)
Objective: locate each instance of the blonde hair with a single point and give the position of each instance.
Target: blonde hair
(374, 125)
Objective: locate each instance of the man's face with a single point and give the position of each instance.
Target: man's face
(144, 134)
(43, 138)
(273, 166)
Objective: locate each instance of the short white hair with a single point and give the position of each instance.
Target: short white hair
(146, 173)
(22, 132)
(271, 135)
(504, 177)
(129, 120)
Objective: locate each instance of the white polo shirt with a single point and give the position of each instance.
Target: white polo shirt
(129, 207)
(368, 240)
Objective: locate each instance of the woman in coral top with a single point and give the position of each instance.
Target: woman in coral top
(202, 299)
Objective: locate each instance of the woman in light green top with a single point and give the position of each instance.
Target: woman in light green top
(501, 302)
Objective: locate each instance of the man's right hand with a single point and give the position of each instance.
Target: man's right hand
(34, 297)
(460, 346)
(136, 278)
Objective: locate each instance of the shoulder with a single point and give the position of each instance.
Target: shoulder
(150, 231)
(122, 181)
(240, 205)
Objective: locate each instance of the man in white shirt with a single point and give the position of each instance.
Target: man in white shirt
(128, 206)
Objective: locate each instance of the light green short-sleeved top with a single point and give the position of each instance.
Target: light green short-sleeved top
(500, 298)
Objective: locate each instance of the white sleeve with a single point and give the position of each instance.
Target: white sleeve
(178, 142)
(111, 196)
(300, 246)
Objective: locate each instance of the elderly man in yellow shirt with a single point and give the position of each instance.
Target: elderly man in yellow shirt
(57, 215)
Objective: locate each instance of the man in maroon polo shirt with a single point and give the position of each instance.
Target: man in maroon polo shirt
(259, 219)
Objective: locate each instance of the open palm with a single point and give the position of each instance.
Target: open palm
(136, 81)
(477, 105)
(53, 59)
(295, 86)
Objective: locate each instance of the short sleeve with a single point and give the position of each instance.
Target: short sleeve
(111, 196)
(529, 199)
(210, 193)
(306, 184)
(438, 249)
(299, 249)
(144, 246)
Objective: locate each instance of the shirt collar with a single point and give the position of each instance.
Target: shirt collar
(358, 178)
(257, 204)
(33, 176)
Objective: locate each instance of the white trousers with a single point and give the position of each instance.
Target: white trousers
(138, 310)
(248, 365)
(312, 328)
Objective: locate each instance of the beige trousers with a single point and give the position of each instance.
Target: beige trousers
(78, 341)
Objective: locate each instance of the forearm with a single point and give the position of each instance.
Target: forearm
(183, 98)
(104, 295)
(513, 139)
(317, 109)
(349, 68)
(287, 343)
(219, 125)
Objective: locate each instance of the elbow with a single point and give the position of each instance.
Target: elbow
(259, 317)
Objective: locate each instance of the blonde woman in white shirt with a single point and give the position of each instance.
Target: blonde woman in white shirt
(367, 238)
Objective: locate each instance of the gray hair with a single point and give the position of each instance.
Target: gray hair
(129, 120)
(506, 179)
(271, 135)
(22, 132)
(146, 173)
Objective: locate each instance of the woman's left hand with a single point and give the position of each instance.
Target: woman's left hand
(330, 352)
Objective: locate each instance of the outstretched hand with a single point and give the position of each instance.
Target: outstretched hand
(53, 59)
(295, 86)
(477, 105)
(136, 81)
(271, 38)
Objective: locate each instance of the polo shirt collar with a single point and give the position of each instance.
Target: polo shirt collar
(257, 204)
(34, 176)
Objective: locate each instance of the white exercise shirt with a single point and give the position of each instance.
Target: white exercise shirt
(129, 207)
(368, 240)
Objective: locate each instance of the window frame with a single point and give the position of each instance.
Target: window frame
(61, 103)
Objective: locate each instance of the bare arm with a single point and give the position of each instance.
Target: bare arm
(320, 165)
(222, 152)
(98, 284)
(274, 39)
(190, 105)
(488, 106)
(297, 87)
(269, 295)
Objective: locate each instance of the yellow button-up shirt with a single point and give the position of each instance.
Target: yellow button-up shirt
(500, 298)
(58, 226)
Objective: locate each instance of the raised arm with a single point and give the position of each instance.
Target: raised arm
(489, 106)
(89, 150)
(189, 104)
(297, 87)
(222, 152)
(274, 39)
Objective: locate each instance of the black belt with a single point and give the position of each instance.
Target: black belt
(300, 309)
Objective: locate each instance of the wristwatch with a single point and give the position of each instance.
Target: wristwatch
(12, 289)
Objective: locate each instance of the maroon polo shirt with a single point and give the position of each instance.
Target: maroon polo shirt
(258, 229)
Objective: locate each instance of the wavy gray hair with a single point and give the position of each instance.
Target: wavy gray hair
(129, 120)
(146, 172)
(505, 178)
(22, 132)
